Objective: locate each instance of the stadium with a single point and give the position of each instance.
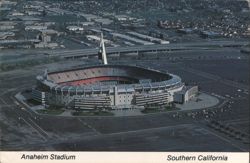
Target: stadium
(106, 86)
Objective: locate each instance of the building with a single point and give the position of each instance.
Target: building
(89, 17)
(187, 93)
(4, 35)
(103, 21)
(209, 34)
(148, 38)
(124, 18)
(46, 45)
(6, 27)
(45, 40)
(74, 28)
(33, 13)
(35, 27)
(49, 32)
(132, 39)
(97, 39)
(186, 30)
(17, 14)
(87, 23)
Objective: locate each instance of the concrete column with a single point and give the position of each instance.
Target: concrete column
(43, 98)
(116, 100)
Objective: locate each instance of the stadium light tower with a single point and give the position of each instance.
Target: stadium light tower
(102, 51)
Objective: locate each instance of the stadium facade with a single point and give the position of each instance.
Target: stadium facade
(106, 86)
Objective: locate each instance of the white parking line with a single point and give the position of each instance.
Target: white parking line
(33, 128)
(38, 127)
(226, 140)
(87, 125)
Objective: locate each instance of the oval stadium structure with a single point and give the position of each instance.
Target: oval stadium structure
(107, 86)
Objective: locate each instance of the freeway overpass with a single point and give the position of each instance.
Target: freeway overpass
(79, 53)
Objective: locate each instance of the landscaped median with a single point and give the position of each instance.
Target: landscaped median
(50, 111)
(92, 113)
(156, 109)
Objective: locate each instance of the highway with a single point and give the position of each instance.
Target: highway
(78, 53)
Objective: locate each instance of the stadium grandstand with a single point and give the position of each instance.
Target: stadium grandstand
(106, 86)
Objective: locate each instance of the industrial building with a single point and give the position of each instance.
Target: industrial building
(132, 39)
(148, 38)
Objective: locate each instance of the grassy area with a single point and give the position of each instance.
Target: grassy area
(33, 102)
(92, 113)
(156, 109)
(150, 111)
(169, 108)
(51, 111)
